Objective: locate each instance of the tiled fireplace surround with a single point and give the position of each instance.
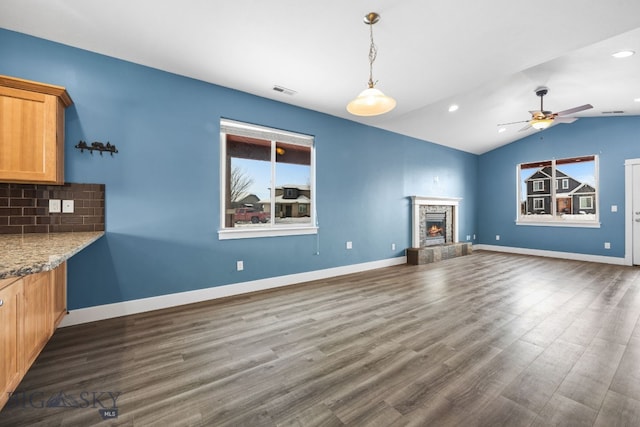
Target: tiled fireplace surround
(420, 253)
(24, 208)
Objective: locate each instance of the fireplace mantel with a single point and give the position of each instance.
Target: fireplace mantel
(417, 201)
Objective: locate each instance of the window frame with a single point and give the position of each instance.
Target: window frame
(522, 218)
(273, 135)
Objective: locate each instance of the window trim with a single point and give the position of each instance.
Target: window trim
(535, 185)
(523, 219)
(245, 129)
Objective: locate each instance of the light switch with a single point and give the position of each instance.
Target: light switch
(67, 206)
(54, 206)
(614, 208)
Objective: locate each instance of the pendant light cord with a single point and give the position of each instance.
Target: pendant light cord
(373, 52)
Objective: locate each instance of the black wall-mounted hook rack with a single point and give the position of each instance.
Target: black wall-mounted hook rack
(96, 146)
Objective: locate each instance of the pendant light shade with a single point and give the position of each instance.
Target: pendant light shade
(371, 101)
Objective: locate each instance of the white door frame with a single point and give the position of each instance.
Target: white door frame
(628, 209)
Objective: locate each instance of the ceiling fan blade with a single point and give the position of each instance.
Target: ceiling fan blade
(565, 119)
(526, 127)
(513, 123)
(574, 110)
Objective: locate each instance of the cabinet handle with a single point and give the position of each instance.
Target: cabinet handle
(1, 303)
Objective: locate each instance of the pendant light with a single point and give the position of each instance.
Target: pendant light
(371, 101)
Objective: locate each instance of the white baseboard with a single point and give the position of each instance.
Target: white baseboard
(553, 254)
(108, 311)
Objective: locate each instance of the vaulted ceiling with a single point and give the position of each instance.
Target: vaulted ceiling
(485, 57)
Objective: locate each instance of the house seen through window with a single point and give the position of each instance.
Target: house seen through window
(267, 181)
(559, 192)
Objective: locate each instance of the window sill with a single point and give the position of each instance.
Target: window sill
(228, 234)
(582, 224)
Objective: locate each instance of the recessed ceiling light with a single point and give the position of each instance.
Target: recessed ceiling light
(623, 54)
(502, 130)
(453, 108)
(636, 100)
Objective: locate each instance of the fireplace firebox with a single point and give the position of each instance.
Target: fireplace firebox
(435, 228)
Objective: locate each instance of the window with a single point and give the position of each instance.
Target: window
(267, 181)
(572, 201)
(586, 202)
(538, 204)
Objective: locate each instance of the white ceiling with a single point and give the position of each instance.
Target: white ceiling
(487, 57)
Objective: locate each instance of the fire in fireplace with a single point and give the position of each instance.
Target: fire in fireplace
(435, 229)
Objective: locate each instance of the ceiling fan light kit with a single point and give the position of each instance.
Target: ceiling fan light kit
(540, 124)
(371, 101)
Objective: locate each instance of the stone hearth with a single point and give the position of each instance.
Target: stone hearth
(429, 254)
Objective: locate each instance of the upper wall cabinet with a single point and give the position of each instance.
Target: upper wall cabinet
(32, 131)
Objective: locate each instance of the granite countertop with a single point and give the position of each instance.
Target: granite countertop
(22, 254)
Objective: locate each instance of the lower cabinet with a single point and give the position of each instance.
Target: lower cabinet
(11, 360)
(59, 296)
(31, 309)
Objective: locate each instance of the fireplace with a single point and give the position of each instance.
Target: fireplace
(435, 229)
(435, 221)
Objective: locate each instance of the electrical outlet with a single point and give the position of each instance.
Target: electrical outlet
(393, 246)
(67, 206)
(349, 245)
(239, 265)
(54, 206)
(607, 245)
(497, 237)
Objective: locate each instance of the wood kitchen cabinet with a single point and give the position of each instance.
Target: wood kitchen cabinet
(31, 309)
(11, 355)
(37, 314)
(59, 295)
(32, 131)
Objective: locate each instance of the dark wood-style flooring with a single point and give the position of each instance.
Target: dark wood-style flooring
(488, 339)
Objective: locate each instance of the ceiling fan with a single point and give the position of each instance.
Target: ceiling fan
(542, 119)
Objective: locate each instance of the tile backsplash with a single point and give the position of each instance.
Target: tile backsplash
(24, 208)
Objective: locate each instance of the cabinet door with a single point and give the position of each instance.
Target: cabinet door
(30, 149)
(11, 357)
(59, 293)
(38, 323)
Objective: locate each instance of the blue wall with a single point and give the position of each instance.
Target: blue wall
(162, 189)
(613, 139)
